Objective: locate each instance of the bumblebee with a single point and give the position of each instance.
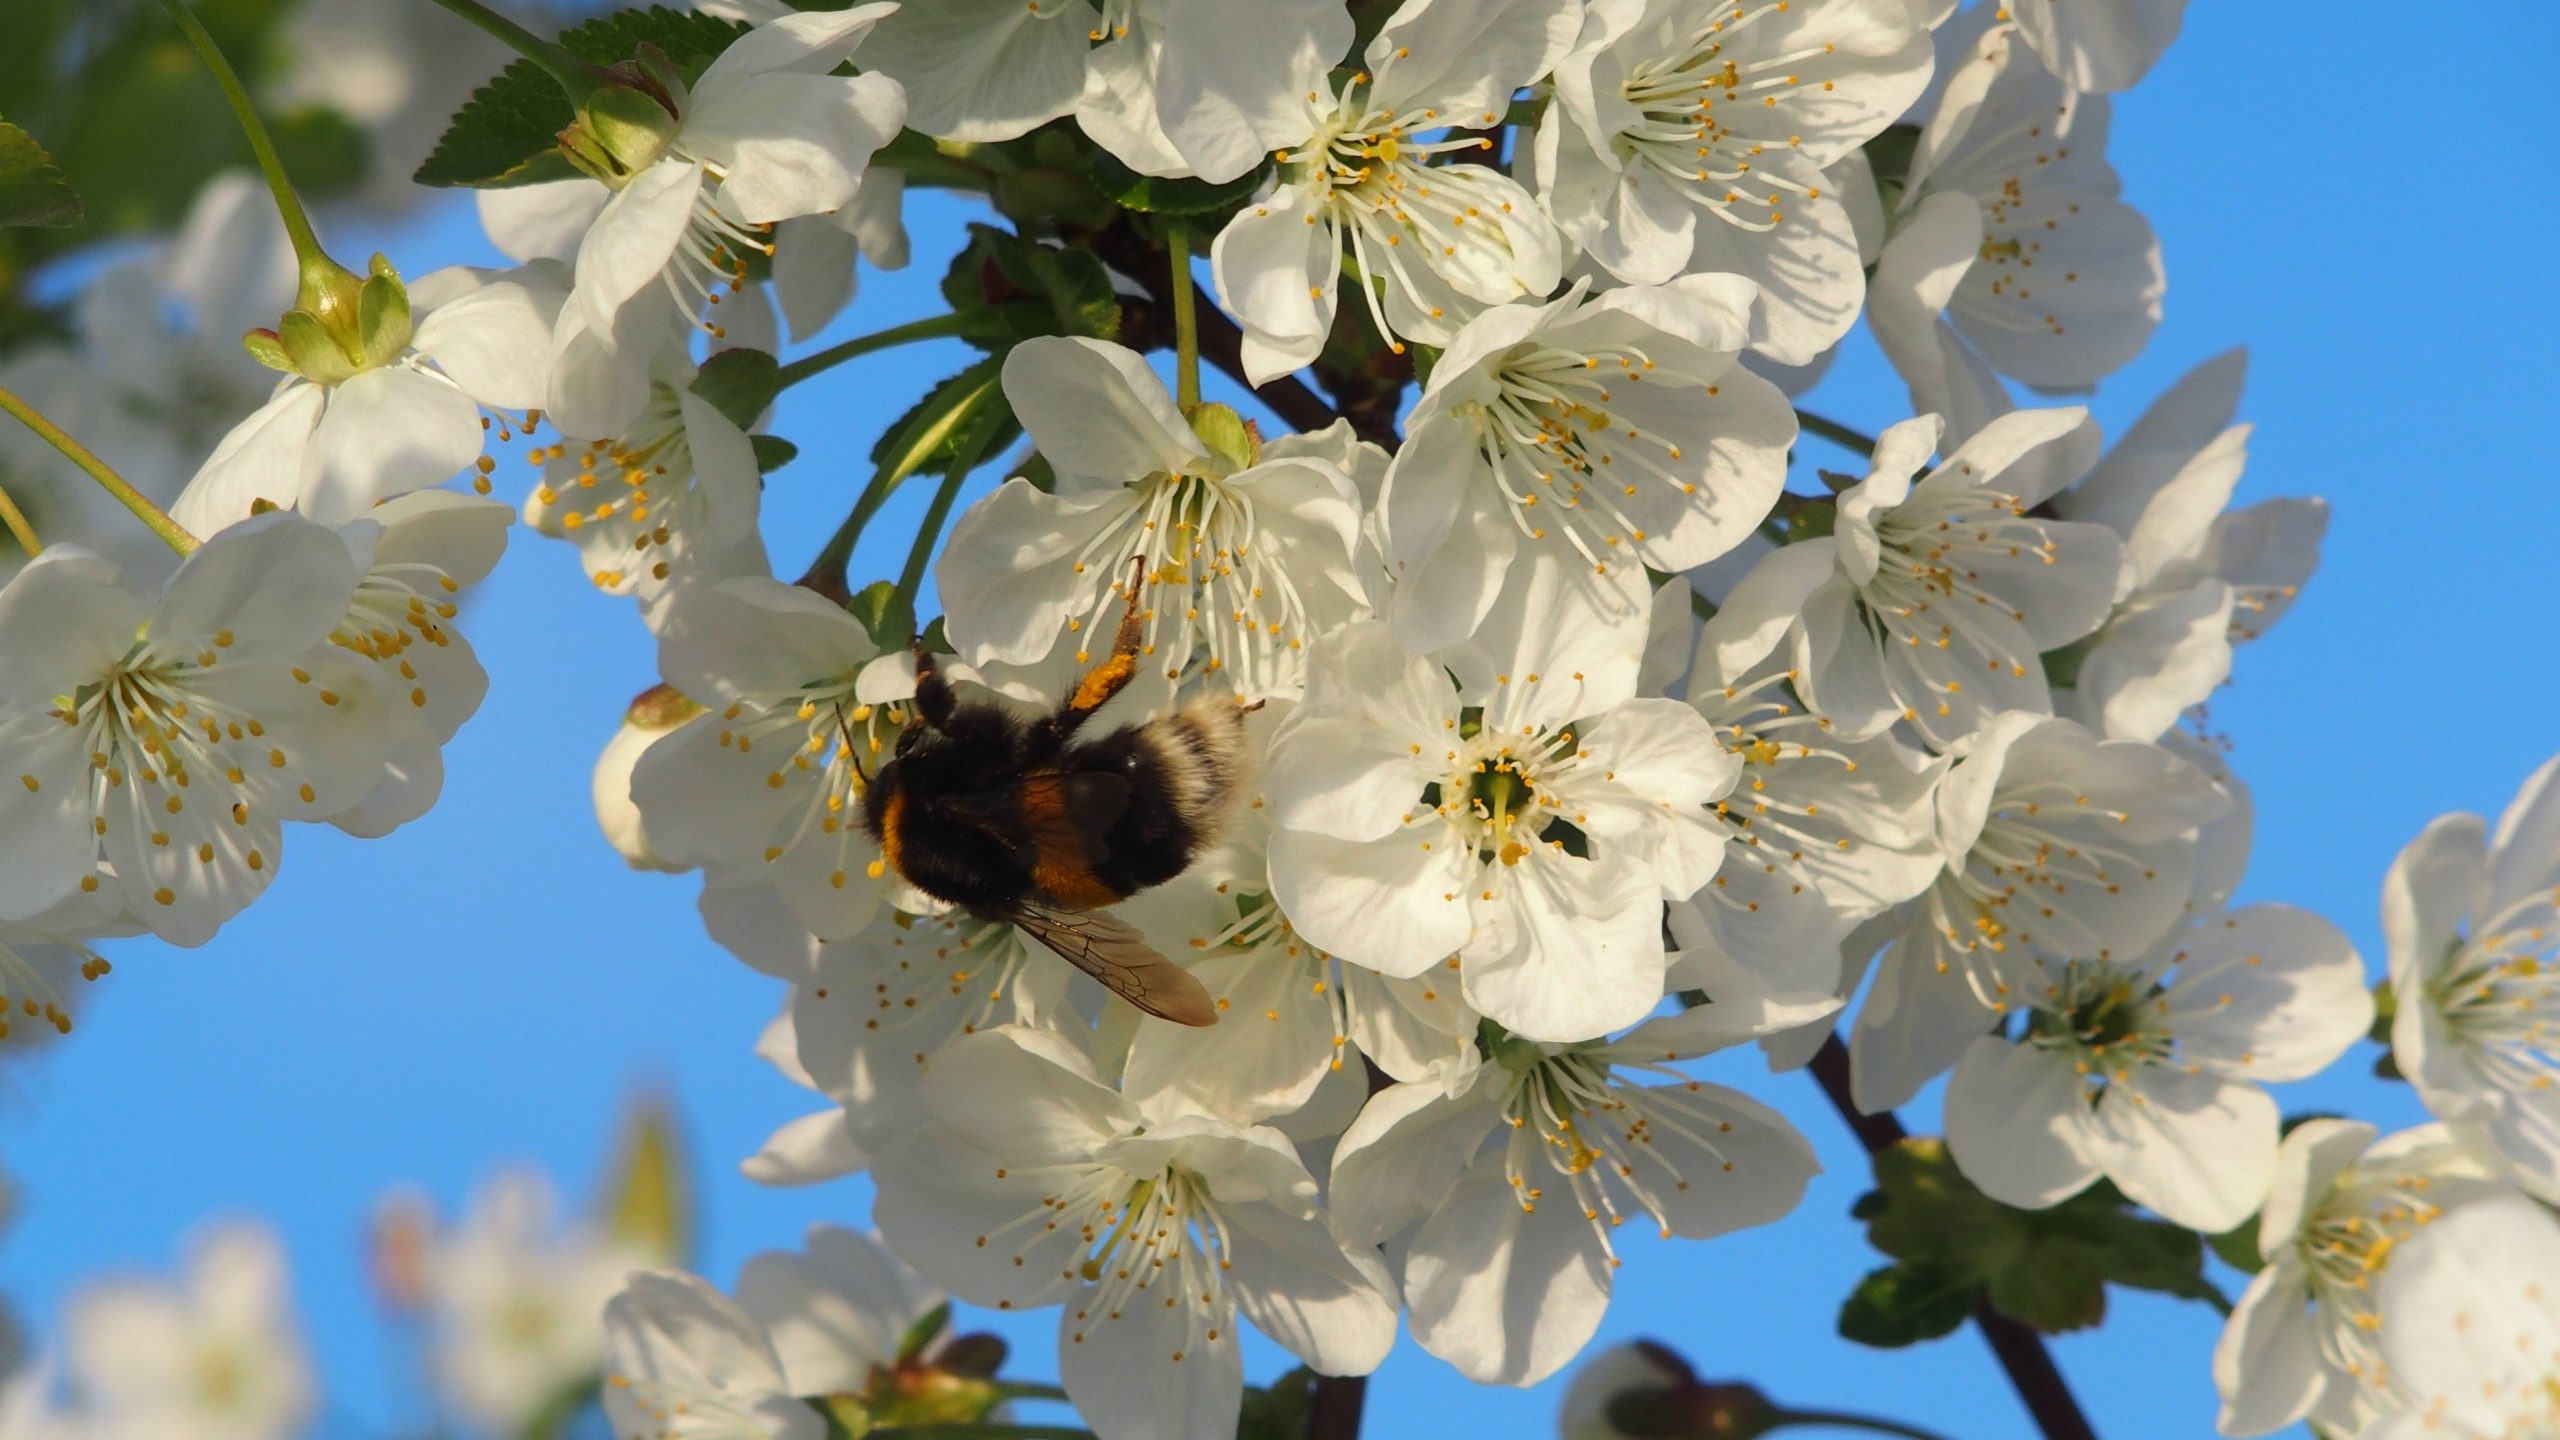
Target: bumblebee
(1020, 821)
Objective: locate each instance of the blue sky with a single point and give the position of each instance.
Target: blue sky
(490, 984)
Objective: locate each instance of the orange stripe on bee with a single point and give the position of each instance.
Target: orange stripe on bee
(1103, 681)
(892, 811)
(1059, 868)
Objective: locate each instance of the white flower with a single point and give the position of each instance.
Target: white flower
(765, 781)
(2060, 846)
(1292, 1015)
(1167, 87)
(686, 1363)
(2010, 249)
(670, 500)
(1614, 432)
(1528, 822)
(2302, 1341)
(836, 1311)
(215, 1357)
(1245, 562)
(1693, 135)
(1934, 599)
(874, 1014)
(2472, 921)
(1040, 1185)
(1516, 1173)
(2205, 578)
(175, 734)
(1440, 241)
(2471, 1327)
(516, 1301)
(814, 256)
(2148, 1072)
(401, 416)
(1823, 831)
(417, 555)
(2098, 44)
(765, 135)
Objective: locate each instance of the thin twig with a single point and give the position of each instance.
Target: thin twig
(2019, 1349)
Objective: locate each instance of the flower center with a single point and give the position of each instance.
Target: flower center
(1557, 448)
(391, 612)
(2344, 1245)
(1572, 1127)
(946, 976)
(2108, 1018)
(644, 480)
(813, 735)
(1368, 171)
(1711, 157)
(1218, 587)
(1926, 606)
(23, 984)
(2501, 995)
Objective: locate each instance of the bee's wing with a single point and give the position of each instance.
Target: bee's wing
(1113, 952)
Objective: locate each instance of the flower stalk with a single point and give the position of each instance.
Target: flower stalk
(169, 531)
(16, 521)
(297, 224)
(1186, 319)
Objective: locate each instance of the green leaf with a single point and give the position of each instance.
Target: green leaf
(1131, 190)
(508, 132)
(2048, 1268)
(1905, 1303)
(999, 271)
(772, 452)
(1279, 1411)
(739, 383)
(964, 415)
(2238, 1248)
(33, 190)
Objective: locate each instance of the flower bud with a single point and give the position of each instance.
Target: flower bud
(653, 713)
(625, 126)
(1644, 1391)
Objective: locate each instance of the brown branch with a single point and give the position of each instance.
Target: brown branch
(2020, 1351)
(1335, 1415)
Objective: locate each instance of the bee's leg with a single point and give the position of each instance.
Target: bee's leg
(934, 697)
(1114, 674)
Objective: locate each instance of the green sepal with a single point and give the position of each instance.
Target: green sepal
(772, 452)
(1228, 435)
(888, 617)
(267, 348)
(33, 189)
(648, 1194)
(382, 317)
(740, 384)
(313, 350)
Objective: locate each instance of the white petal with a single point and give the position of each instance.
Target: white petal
(982, 70)
(1331, 1308)
(539, 222)
(1149, 1371)
(265, 457)
(2015, 1117)
(1506, 1294)
(1278, 272)
(385, 433)
(2269, 993)
(1397, 905)
(2267, 1364)
(1096, 410)
(2198, 1149)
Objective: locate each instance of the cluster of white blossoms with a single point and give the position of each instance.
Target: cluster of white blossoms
(1590, 729)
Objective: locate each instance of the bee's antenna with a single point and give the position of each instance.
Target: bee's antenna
(852, 751)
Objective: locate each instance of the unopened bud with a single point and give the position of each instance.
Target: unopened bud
(653, 713)
(1645, 1391)
(396, 1246)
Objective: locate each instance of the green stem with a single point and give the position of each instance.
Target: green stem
(19, 530)
(1837, 433)
(932, 327)
(576, 76)
(1029, 1390)
(297, 225)
(134, 500)
(1843, 1420)
(1186, 319)
(826, 573)
(928, 533)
